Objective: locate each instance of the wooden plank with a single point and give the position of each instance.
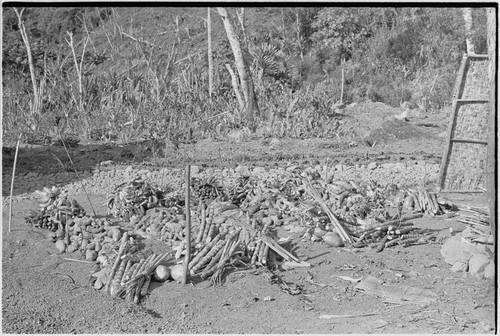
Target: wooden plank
(470, 141)
(460, 191)
(451, 126)
(491, 152)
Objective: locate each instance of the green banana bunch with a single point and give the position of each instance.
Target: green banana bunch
(133, 198)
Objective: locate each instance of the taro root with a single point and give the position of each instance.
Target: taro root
(61, 246)
(333, 239)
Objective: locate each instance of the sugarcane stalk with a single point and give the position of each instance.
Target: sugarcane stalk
(210, 268)
(207, 248)
(137, 289)
(210, 233)
(203, 221)
(145, 264)
(230, 237)
(340, 229)
(115, 282)
(208, 223)
(145, 287)
(265, 252)
(187, 258)
(128, 273)
(381, 245)
(118, 259)
(136, 270)
(255, 254)
(203, 261)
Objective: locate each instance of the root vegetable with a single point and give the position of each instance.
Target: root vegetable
(333, 239)
(176, 272)
(61, 246)
(91, 255)
(161, 273)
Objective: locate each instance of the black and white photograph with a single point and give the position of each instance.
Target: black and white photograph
(249, 168)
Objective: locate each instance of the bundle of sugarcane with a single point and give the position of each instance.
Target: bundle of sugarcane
(420, 200)
(268, 242)
(241, 244)
(135, 281)
(344, 235)
(205, 260)
(126, 277)
(134, 198)
(391, 233)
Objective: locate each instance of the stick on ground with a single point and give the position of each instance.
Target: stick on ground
(12, 182)
(188, 226)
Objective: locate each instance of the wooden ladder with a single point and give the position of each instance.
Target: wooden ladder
(463, 167)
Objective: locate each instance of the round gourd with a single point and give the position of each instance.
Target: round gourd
(176, 272)
(333, 239)
(61, 246)
(161, 273)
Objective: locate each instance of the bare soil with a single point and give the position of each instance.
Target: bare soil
(44, 293)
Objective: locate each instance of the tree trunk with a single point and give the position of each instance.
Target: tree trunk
(234, 82)
(467, 13)
(210, 57)
(492, 131)
(36, 104)
(283, 25)
(299, 41)
(242, 67)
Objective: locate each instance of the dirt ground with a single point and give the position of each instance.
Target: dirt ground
(44, 293)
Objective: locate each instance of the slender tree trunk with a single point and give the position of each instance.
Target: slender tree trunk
(299, 42)
(241, 18)
(467, 13)
(242, 67)
(37, 92)
(283, 25)
(492, 131)
(234, 82)
(210, 57)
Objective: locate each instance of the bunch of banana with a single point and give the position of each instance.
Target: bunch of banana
(241, 189)
(133, 198)
(420, 200)
(206, 188)
(41, 219)
(55, 209)
(47, 196)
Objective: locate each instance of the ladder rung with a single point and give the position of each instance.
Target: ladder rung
(470, 141)
(480, 56)
(480, 101)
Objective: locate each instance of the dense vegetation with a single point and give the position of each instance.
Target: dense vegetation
(130, 72)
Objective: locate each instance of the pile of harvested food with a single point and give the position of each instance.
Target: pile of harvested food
(233, 225)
